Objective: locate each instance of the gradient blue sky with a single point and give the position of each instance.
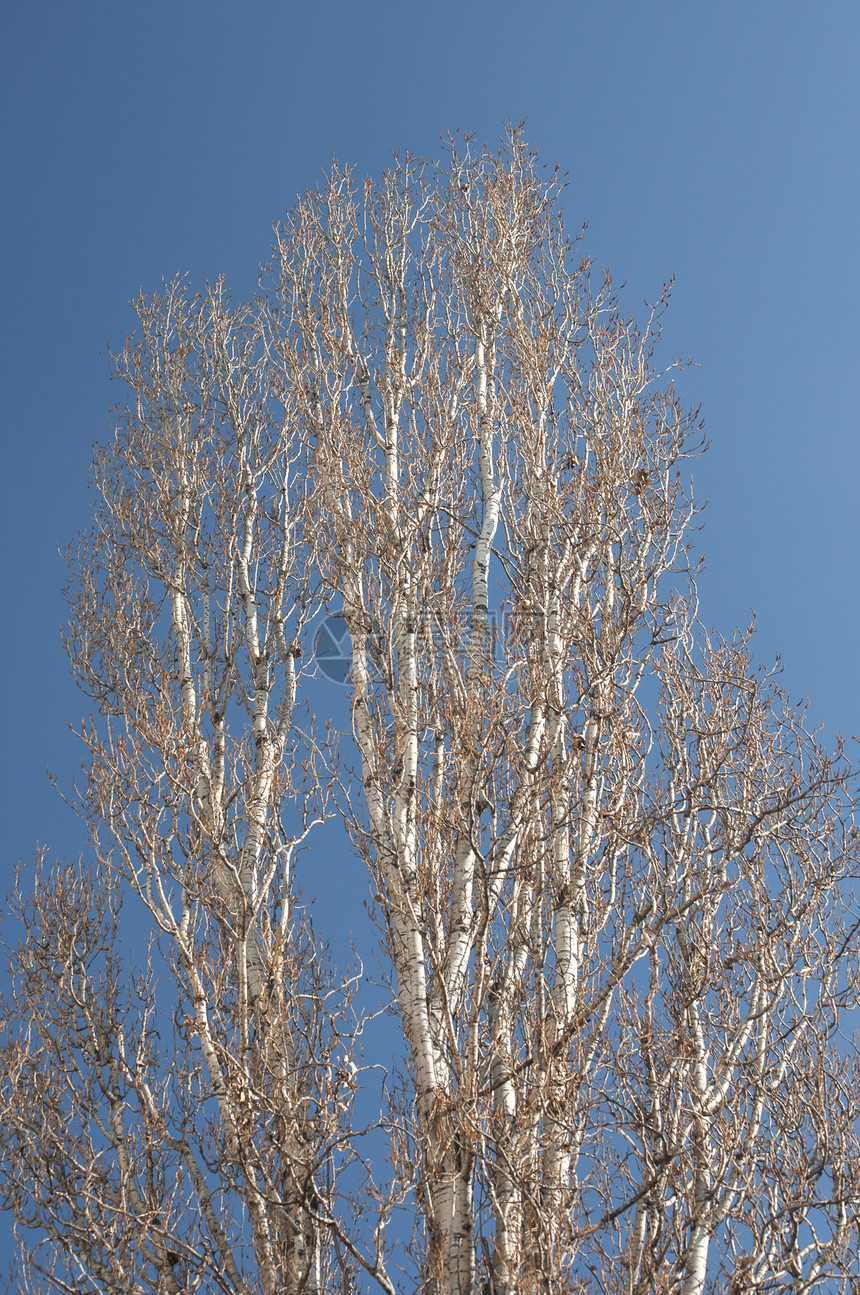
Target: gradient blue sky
(716, 142)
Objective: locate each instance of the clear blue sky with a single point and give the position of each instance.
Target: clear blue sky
(715, 142)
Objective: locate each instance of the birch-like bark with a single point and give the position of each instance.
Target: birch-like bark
(610, 865)
(505, 520)
(191, 610)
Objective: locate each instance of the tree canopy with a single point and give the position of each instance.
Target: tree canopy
(610, 866)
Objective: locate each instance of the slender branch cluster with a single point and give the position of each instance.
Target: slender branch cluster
(609, 863)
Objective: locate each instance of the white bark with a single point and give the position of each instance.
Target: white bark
(607, 859)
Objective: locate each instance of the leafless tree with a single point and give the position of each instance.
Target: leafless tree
(611, 866)
(192, 1141)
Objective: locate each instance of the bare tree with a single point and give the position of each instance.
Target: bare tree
(610, 864)
(192, 1140)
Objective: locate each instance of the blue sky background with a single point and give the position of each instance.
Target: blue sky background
(716, 142)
